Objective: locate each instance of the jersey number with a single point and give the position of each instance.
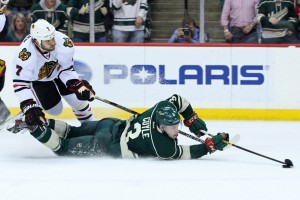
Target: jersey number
(19, 69)
(136, 133)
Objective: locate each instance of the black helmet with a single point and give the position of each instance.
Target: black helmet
(167, 116)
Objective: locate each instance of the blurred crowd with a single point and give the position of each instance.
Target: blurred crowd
(128, 18)
(243, 21)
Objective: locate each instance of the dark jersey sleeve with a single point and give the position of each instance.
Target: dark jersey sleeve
(2, 81)
(2, 74)
(183, 106)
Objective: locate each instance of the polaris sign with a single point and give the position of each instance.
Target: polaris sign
(208, 75)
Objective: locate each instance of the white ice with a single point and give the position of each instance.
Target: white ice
(29, 171)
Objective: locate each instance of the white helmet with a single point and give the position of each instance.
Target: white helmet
(42, 30)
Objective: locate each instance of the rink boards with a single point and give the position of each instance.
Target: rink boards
(221, 82)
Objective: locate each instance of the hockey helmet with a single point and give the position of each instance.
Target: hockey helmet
(42, 30)
(167, 116)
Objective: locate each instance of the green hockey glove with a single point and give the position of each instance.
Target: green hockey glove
(215, 143)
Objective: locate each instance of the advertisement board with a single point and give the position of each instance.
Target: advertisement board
(220, 82)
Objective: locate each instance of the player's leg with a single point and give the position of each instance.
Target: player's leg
(60, 127)
(81, 109)
(48, 97)
(46, 136)
(79, 146)
(96, 138)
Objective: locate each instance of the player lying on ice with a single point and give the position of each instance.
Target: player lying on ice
(150, 134)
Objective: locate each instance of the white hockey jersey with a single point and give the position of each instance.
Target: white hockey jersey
(30, 64)
(126, 13)
(2, 21)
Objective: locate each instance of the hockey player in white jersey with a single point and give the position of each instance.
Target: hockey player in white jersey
(43, 72)
(3, 4)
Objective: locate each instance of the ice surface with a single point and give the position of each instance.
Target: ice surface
(29, 171)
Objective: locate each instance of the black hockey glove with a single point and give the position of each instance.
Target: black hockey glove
(33, 114)
(195, 124)
(216, 142)
(83, 90)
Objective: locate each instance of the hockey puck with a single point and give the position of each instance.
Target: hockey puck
(288, 163)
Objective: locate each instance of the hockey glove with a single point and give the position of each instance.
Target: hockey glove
(82, 89)
(33, 114)
(2, 68)
(216, 142)
(195, 124)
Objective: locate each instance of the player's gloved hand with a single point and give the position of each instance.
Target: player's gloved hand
(2, 68)
(33, 114)
(215, 143)
(195, 124)
(82, 89)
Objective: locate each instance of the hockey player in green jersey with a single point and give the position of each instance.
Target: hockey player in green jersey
(152, 133)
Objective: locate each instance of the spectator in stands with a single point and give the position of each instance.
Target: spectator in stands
(238, 19)
(79, 12)
(53, 11)
(278, 20)
(187, 33)
(19, 6)
(18, 29)
(129, 20)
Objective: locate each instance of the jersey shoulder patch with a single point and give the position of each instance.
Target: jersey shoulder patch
(24, 54)
(63, 40)
(68, 42)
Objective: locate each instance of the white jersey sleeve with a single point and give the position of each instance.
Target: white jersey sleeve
(2, 21)
(143, 9)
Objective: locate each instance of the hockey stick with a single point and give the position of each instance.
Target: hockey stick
(287, 162)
